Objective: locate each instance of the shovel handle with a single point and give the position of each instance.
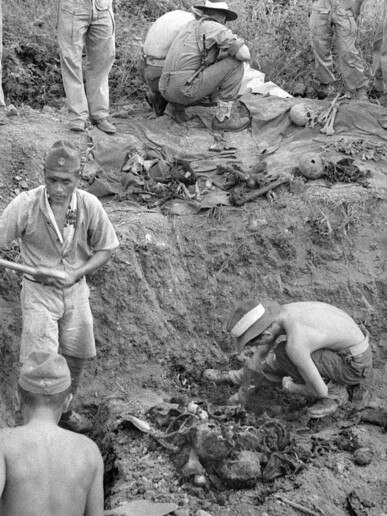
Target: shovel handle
(26, 269)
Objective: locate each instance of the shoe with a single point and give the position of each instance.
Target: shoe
(323, 408)
(157, 102)
(217, 376)
(78, 126)
(75, 422)
(234, 124)
(337, 397)
(105, 126)
(227, 118)
(361, 95)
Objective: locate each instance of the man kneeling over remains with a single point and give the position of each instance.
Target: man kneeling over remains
(44, 469)
(325, 351)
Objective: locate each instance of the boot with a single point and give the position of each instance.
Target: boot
(337, 397)
(177, 112)
(157, 102)
(226, 119)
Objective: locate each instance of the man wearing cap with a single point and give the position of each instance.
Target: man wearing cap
(89, 25)
(325, 351)
(65, 229)
(158, 41)
(44, 469)
(205, 58)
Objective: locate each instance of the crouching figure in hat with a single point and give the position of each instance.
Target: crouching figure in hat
(206, 58)
(44, 469)
(313, 349)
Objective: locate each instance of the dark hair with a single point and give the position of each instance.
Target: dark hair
(47, 400)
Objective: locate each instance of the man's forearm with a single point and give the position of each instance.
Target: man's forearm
(96, 261)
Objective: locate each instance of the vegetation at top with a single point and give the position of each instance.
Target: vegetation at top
(276, 32)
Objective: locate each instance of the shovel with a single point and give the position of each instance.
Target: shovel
(26, 269)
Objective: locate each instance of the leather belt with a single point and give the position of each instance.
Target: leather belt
(46, 284)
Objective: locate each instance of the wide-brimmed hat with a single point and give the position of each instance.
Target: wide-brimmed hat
(221, 6)
(250, 319)
(44, 373)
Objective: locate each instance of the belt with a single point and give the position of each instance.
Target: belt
(155, 61)
(358, 349)
(46, 284)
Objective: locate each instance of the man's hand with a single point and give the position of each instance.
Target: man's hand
(52, 277)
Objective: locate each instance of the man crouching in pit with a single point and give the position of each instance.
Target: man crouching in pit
(325, 351)
(44, 469)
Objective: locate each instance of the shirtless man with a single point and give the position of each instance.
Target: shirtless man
(44, 469)
(324, 352)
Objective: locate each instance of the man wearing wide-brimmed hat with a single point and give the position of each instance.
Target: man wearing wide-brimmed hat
(206, 57)
(45, 469)
(325, 351)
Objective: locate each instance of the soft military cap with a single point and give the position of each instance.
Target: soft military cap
(62, 157)
(44, 373)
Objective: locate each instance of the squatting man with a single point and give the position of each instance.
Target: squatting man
(65, 229)
(325, 351)
(46, 470)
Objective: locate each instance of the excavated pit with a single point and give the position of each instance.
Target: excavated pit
(160, 307)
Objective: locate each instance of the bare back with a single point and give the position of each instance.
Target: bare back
(47, 470)
(316, 325)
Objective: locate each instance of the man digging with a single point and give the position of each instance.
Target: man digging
(46, 470)
(61, 229)
(324, 353)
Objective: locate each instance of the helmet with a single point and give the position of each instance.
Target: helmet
(299, 115)
(311, 165)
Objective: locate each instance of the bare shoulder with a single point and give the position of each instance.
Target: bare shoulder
(82, 443)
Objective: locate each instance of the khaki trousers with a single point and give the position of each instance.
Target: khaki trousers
(329, 17)
(89, 25)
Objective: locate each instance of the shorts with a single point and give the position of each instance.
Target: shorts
(341, 367)
(56, 320)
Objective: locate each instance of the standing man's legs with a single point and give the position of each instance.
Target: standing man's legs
(351, 64)
(73, 24)
(321, 38)
(100, 54)
(2, 102)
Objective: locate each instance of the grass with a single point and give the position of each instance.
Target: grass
(276, 32)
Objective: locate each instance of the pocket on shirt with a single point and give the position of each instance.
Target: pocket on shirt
(75, 7)
(103, 5)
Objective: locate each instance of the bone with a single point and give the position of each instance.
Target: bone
(328, 127)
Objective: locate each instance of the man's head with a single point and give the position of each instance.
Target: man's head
(61, 172)
(218, 10)
(44, 380)
(250, 323)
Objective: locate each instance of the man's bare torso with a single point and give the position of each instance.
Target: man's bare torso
(316, 325)
(49, 471)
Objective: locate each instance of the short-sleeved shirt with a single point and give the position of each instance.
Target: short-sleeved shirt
(26, 217)
(185, 51)
(163, 32)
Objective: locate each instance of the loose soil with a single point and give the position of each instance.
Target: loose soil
(160, 307)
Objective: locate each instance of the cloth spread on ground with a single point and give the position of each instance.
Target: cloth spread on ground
(272, 137)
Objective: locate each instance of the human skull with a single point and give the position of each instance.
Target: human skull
(311, 165)
(300, 114)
